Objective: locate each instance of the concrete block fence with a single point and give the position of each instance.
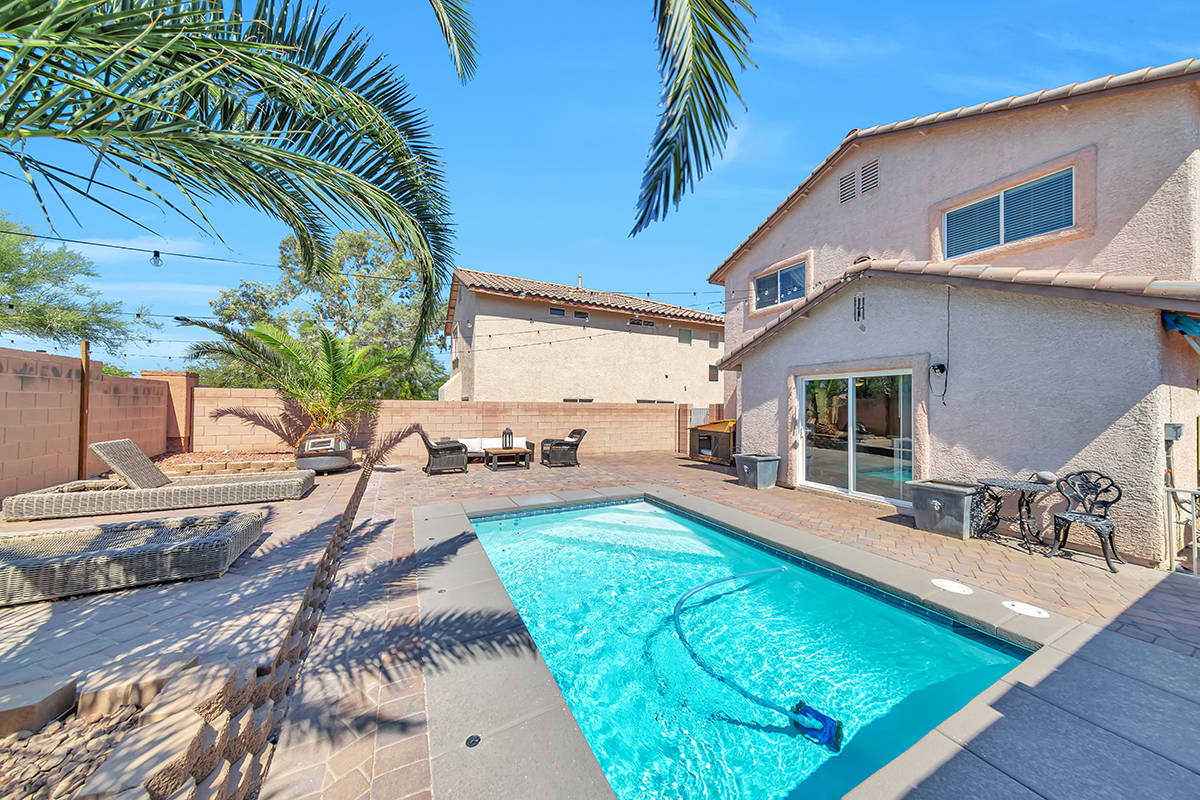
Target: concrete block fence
(39, 417)
(611, 427)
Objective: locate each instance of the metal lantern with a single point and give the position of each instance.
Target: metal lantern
(506, 439)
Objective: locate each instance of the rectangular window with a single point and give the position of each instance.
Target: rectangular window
(685, 337)
(641, 323)
(714, 374)
(783, 286)
(1044, 205)
(714, 340)
(583, 315)
(558, 312)
(577, 399)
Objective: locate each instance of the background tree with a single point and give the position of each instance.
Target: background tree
(373, 298)
(43, 295)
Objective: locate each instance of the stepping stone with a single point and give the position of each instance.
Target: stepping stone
(134, 681)
(30, 705)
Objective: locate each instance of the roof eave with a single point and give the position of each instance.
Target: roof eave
(1049, 97)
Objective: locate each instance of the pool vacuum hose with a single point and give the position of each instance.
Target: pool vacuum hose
(812, 724)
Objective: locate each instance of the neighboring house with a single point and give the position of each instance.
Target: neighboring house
(980, 293)
(517, 339)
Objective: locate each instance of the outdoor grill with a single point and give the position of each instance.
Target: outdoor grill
(713, 441)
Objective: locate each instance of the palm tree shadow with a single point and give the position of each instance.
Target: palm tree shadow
(369, 630)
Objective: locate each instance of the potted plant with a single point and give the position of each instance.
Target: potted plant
(332, 382)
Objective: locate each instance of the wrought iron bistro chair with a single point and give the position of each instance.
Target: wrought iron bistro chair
(444, 456)
(1089, 495)
(563, 452)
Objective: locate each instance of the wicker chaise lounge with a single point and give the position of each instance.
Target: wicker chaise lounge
(43, 565)
(144, 487)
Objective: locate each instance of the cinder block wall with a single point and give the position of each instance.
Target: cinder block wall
(39, 417)
(611, 427)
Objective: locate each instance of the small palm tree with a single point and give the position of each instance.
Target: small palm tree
(332, 381)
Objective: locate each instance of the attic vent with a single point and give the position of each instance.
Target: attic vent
(870, 176)
(846, 188)
(860, 307)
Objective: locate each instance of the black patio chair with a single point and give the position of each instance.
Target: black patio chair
(448, 456)
(563, 452)
(1089, 495)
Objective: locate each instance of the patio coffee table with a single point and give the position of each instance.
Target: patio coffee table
(985, 508)
(495, 458)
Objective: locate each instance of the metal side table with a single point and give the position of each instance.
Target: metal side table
(985, 511)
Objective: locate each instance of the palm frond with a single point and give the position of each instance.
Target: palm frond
(699, 41)
(283, 110)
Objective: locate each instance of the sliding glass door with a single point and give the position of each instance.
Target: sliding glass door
(857, 433)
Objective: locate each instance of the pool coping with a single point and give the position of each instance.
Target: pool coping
(530, 744)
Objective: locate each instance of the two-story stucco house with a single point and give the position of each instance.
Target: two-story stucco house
(518, 339)
(980, 292)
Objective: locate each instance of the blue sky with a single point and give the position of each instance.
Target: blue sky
(544, 149)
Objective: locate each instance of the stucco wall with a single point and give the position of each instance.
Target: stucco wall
(1036, 383)
(39, 417)
(1146, 194)
(603, 358)
(611, 427)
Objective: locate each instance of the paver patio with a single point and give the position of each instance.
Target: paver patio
(357, 723)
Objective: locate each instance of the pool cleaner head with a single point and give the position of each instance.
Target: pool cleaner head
(825, 731)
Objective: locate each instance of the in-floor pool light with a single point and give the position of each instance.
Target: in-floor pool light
(812, 724)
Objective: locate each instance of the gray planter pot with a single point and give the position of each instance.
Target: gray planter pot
(757, 470)
(943, 506)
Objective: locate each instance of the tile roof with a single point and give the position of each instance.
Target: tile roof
(1148, 77)
(1144, 290)
(557, 292)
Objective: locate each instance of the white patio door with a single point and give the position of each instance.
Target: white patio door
(856, 433)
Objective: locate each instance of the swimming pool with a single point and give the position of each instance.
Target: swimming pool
(596, 587)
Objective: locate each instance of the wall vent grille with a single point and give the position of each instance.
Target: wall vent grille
(847, 189)
(870, 176)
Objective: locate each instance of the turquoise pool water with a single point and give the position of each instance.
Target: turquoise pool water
(597, 586)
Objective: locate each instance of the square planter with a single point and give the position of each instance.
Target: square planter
(757, 470)
(943, 506)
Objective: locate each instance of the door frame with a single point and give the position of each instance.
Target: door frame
(801, 440)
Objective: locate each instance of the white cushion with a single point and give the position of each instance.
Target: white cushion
(492, 443)
(570, 439)
(519, 441)
(473, 445)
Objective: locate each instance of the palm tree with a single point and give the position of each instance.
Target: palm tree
(332, 382)
(189, 100)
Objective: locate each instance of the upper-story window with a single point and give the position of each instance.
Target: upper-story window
(685, 337)
(1043, 205)
(714, 339)
(558, 312)
(780, 286)
(583, 315)
(641, 323)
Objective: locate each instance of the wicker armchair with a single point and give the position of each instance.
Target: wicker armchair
(563, 452)
(444, 456)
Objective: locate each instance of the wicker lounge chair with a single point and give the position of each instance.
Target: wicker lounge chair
(448, 456)
(45, 564)
(143, 487)
(563, 452)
